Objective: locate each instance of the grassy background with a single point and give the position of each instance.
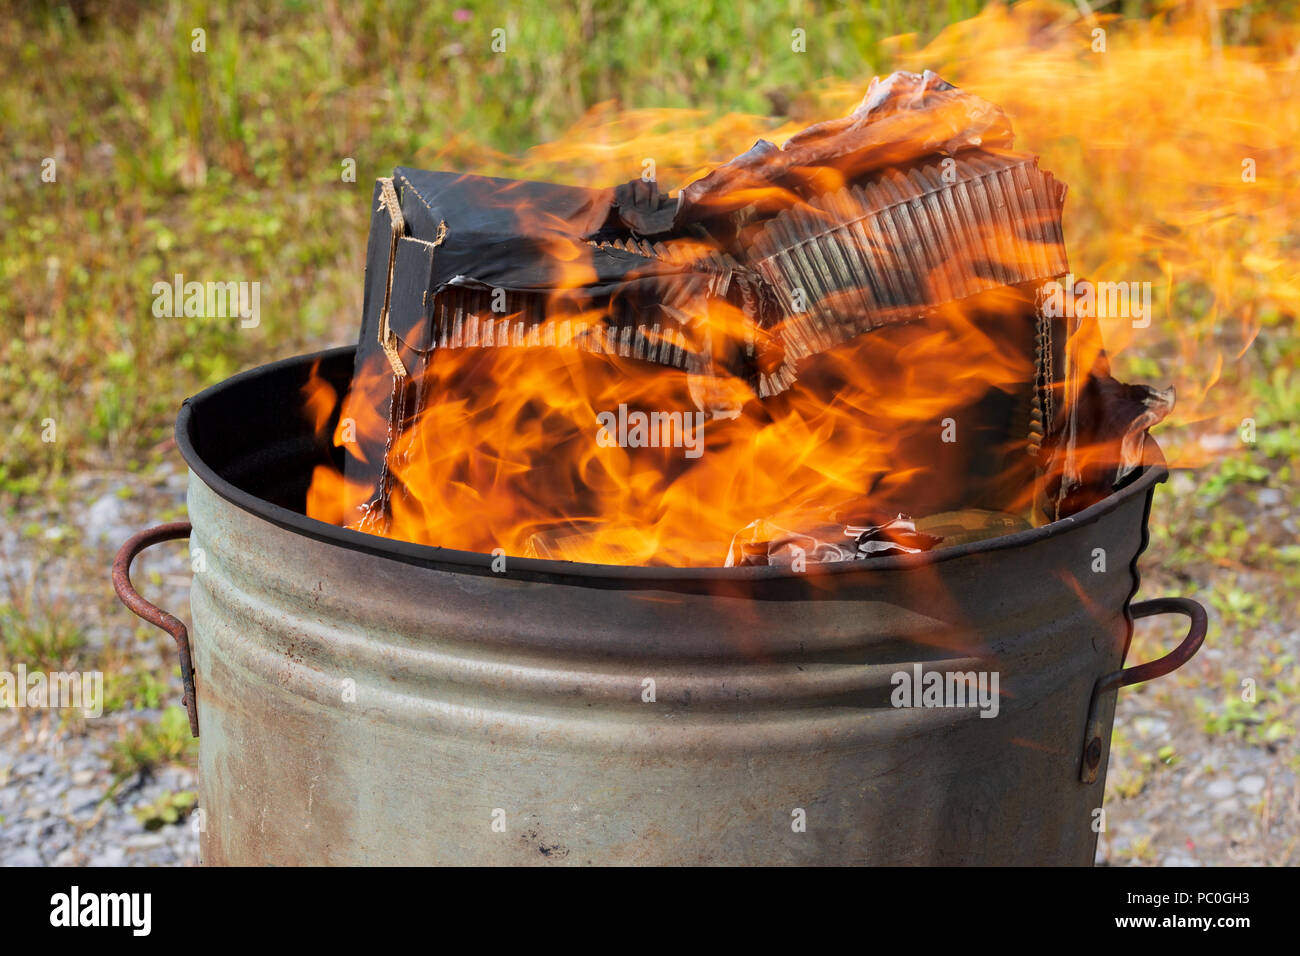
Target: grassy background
(226, 165)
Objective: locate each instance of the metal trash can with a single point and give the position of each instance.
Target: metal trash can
(368, 701)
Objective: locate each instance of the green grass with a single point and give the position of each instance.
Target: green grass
(226, 165)
(133, 688)
(45, 642)
(37, 624)
(1254, 722)
(146, 747)
(171, 807)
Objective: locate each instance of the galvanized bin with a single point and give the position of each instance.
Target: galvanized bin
(366, 701)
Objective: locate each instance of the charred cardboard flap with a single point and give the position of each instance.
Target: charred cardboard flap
(384, 232)
(1101, 425)
(413, 267)
(493, 206)
(507, 233)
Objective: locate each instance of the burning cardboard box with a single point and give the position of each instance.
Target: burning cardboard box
(874, 289)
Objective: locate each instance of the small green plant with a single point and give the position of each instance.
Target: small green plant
(1236, 470)
(38, 640)
(1238, 606)
(1128, 771)
(1254, 722)
(170, 807)
(1279, 417)
(1275, 731)
(1236, 716)
(1141, 850)
(133, 689)
(152, 745)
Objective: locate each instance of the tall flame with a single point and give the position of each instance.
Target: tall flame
(1175, 144)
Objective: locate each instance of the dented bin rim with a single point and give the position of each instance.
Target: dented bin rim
(596, 575)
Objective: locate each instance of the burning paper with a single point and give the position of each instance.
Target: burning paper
(770, 541)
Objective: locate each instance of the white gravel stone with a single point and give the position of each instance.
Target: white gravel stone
(23, 856)
(1151, 726)
(111, 855)
(83, 799)
(145, 841)
(1220, 789)
(105, 522)
(1252, 786)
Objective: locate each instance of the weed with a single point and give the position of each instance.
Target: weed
(148, 746)
(170, 807)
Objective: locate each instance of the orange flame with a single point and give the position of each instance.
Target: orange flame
(1151, 131)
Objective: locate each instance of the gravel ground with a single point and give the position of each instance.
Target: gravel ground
(52, 789)
(1177, 794)
(1226, 796)
(55, 776)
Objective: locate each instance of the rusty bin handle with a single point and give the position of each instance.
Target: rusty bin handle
(1125, 676)
(153, 614)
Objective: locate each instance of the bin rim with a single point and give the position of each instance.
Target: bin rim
(188, 420)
